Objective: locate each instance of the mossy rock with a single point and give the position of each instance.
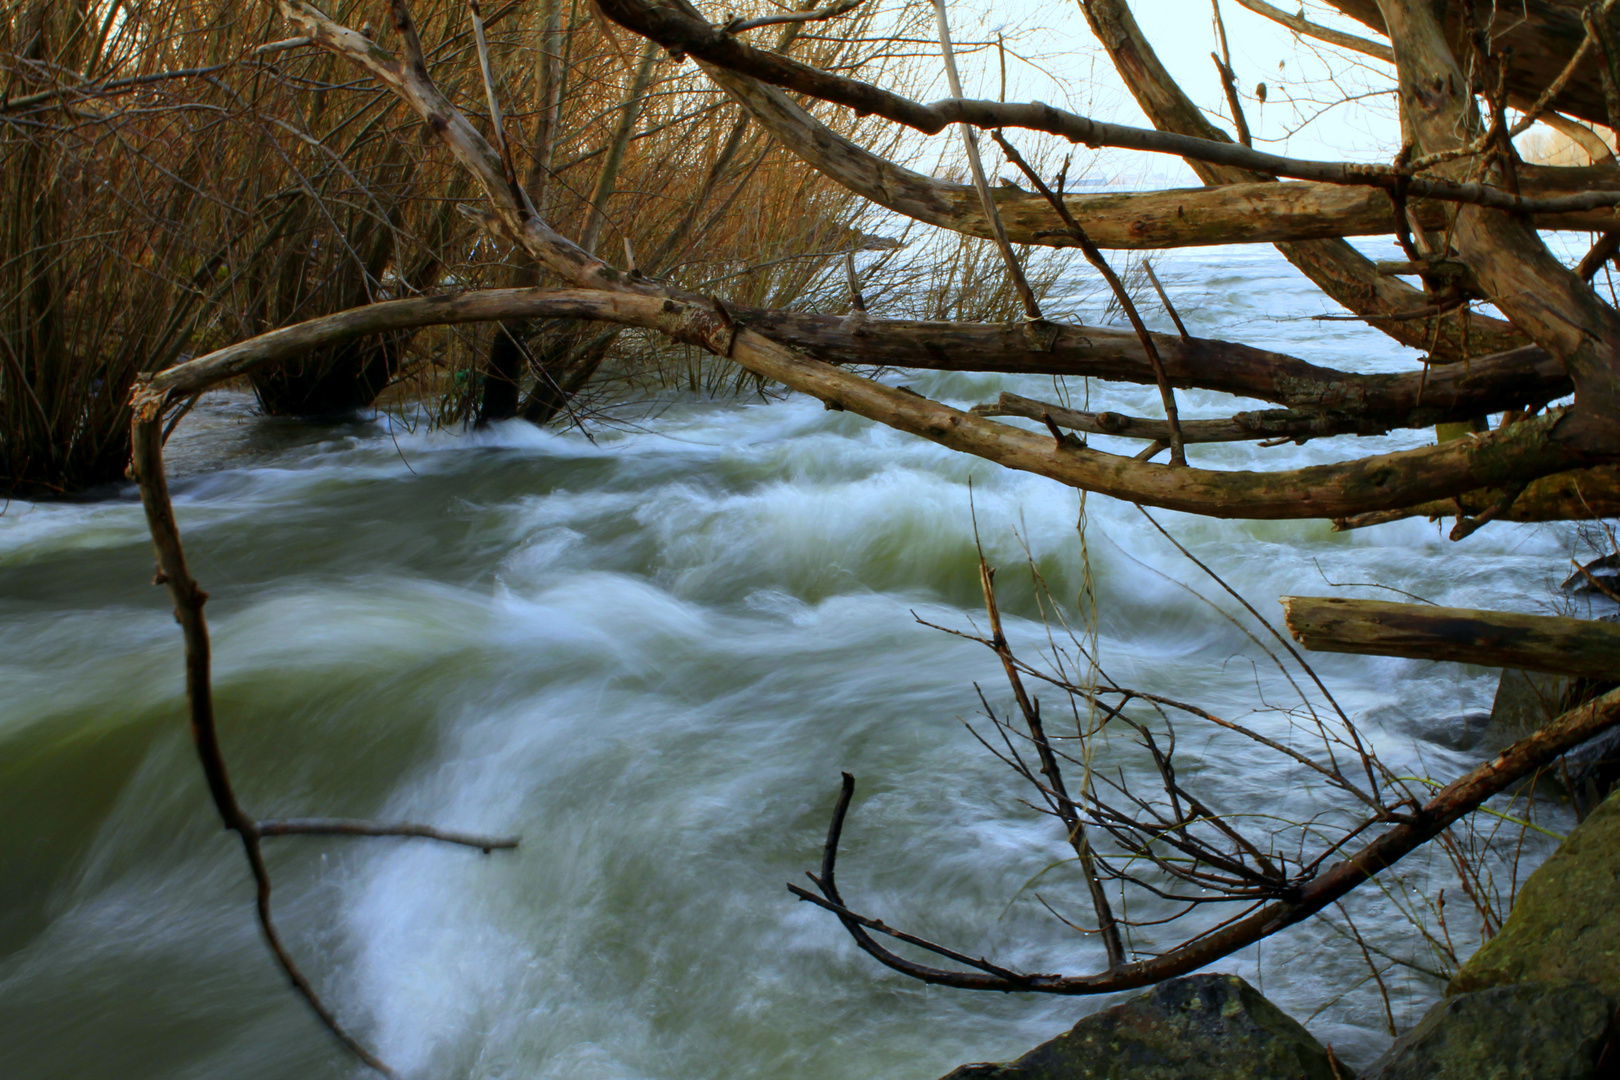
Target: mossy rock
(1201, 1027)
(1565, 923)
(1528, 1031)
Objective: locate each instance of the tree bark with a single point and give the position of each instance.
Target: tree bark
(1550, 643)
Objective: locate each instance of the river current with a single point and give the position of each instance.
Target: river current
(650, 656)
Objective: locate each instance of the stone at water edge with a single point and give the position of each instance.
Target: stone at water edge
(1200, 1027)
(1565, 923)
(1526, 1031)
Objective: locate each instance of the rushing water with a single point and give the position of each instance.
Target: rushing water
(651, 656)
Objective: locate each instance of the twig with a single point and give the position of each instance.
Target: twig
(857, 302)
(1375, 49)
(1106, 923)
(147, 433)
(1467, 526)
(354, 827)
(1164, 298)
(1178, 453)
(832, 11)
(970, 141)
(1223, 65)
(497, 130)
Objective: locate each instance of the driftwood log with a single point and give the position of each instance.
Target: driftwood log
(1551, 643)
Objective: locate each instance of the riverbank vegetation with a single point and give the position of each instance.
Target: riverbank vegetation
(184, 177)
(682, 198)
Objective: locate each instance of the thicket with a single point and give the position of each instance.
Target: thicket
(181, 175)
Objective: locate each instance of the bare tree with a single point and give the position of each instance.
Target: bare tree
(1463, 206)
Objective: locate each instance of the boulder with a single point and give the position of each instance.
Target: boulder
(1201, 1027)
(1528, 1031)
(1565, 923)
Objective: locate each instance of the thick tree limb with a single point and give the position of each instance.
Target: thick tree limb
(1584, 495)
(1332, 264)
(1581, 647)
(1244, 427)
(1417, 399)
(1510, 263)
(665, 22)
(1263, 212)
(1542, 36)
(1521, 451)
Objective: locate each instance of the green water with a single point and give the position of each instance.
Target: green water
(651, 657)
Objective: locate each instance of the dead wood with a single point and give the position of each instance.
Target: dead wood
(1551, 643)
(189, 599)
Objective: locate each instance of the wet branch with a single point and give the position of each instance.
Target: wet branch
(189, 599)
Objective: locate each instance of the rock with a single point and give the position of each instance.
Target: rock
(1602, 569)
(1201, 1027)
(1528, 1031)
(1565, 923)
(1526, 700)
(1465, 731)
(1592, 771)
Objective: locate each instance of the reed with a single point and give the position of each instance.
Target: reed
(179, 186)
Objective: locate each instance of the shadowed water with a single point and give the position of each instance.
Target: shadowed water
(650, 656)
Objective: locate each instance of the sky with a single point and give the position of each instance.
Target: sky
(1066, 67)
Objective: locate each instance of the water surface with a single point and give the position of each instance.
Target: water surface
(650, 656)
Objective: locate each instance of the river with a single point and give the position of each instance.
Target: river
(650, 655)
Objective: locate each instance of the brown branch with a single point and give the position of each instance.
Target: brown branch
(1552, 643)
(665, 22)
(1244, 427)
(1520, 451)
(147, 463)
(354, 827)
(987, 202)
(1228, 213)
(1583, 495)
(1439, 813)
(1223, 65)
(497, 129)
(1063, 806)
(1164, 298)
(1305, 28)
(831, 11)
(608, 177)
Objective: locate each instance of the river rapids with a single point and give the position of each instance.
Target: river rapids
(651, 656)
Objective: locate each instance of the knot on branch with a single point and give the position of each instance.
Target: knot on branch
(711, 328)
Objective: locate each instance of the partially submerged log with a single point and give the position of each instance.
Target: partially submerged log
(1424, 632)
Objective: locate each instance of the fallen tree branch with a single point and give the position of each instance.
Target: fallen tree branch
(189, 599)
(677, 26)
(1243, 427)
(1388, 481)
(1582, 495)
(1551, 643)
(1307, 896)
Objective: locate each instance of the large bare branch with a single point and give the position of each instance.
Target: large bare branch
(1522, 451)
(1336, 267)
(1564, 646)
(1508, 261)
(1253, 212)
(1537, 38)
